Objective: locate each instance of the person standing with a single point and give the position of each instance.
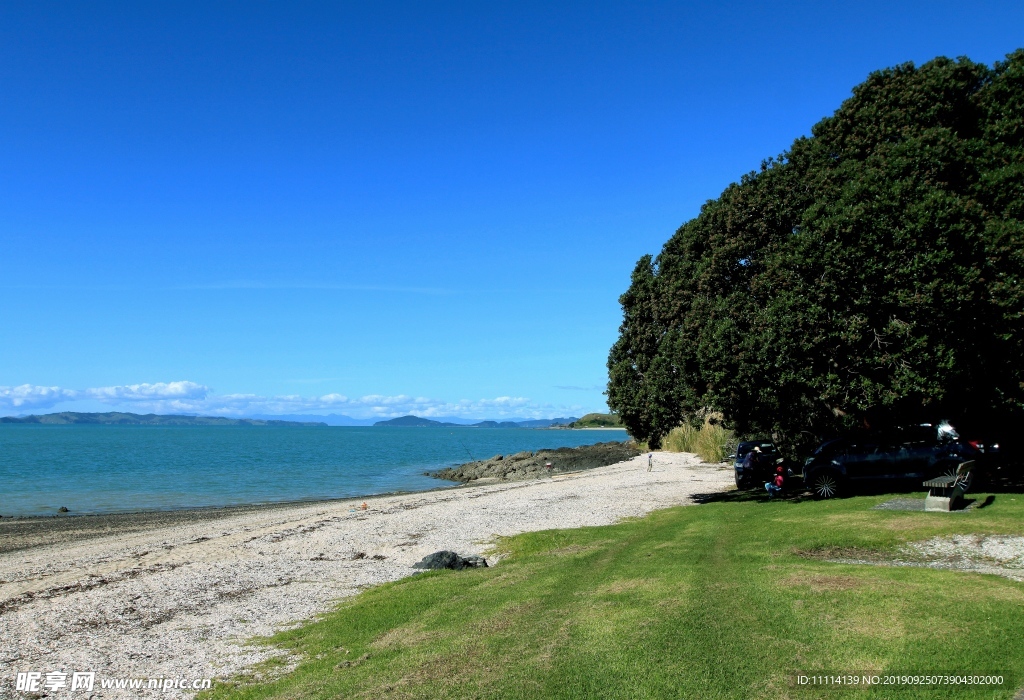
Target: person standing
(752, 463)
(650, 461)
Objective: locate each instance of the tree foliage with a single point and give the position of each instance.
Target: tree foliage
(876, 264)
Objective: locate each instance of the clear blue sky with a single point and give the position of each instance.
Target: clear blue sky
(377, 208)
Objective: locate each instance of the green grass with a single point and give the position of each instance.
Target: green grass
(713, 601)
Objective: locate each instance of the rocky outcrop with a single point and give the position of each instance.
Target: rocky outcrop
(449, 560)
(534, 465)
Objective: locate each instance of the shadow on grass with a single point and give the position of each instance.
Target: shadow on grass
(798, 494)
(751, 495)
(992, 478)
(1004, 479)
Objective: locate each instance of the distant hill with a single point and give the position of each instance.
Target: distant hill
(70, 418)
(414, 422)
(333, 419)
(417, 422)
(546, 422)
(597, 420)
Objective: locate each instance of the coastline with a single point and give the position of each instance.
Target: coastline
(178, 594)
(27, 531)
(103, 521)
(122, 469)
(596, 428)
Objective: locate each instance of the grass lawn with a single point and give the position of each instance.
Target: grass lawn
(712, 601)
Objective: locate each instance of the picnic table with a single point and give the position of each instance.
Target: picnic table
(945, 491)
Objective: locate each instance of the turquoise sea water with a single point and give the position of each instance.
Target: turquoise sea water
(107, 468)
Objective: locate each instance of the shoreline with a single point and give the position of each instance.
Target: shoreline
(180, 593)
(175, 516)
(214, 511)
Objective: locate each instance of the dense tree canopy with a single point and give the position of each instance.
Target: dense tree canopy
(876, 265)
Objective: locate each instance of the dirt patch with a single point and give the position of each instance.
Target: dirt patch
(506, 619)
(625, 585)
(820, 583)
(834, 553)
(573, 549)
(403, 637)
(903, 522)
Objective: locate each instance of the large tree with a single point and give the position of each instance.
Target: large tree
(875, 265)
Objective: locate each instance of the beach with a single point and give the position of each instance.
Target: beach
(178, 594)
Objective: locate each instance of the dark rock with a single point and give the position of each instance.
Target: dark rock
(536, 465)
(449, 560)
(62, 509)
(441, 560)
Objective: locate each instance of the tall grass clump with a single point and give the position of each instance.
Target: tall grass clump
(711, 441)
(680, 439)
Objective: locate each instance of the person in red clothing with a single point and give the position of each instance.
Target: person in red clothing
(774, 487)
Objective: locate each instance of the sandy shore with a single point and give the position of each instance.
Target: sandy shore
(176, 595)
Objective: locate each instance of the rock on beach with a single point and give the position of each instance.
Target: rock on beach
(532, 465)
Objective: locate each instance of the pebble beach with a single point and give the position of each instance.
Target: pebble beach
(179, 594)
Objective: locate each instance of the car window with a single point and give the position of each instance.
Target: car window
(863, 449)
(829, 447)
(745, 447)
(917, 435)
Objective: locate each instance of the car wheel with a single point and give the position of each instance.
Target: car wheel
(825, 484)
(741, 483)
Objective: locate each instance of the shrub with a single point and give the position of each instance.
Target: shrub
(682, 438)
(710, 442)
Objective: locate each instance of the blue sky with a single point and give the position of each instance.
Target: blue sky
(381, 208)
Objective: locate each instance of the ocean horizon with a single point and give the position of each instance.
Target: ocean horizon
(92, 469)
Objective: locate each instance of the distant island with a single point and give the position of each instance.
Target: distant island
(417, 422)
(597, 420)
(70, 418)
(591, 420)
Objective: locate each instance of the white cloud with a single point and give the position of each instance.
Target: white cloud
(161, 391)
(190, 397)
(29, 397)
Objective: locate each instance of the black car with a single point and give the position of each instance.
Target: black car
(904, 454)
(770, 458)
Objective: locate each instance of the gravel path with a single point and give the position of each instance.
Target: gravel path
(177, 596)
(1001, 555)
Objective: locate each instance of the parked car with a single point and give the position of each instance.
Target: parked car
(911, 453)
(745, 478)
(986, 440)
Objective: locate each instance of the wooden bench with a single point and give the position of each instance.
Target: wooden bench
(945, 491)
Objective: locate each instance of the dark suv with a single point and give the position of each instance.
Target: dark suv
(911, 453)
(766, 465)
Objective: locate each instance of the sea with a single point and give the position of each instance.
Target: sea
(114, 468)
